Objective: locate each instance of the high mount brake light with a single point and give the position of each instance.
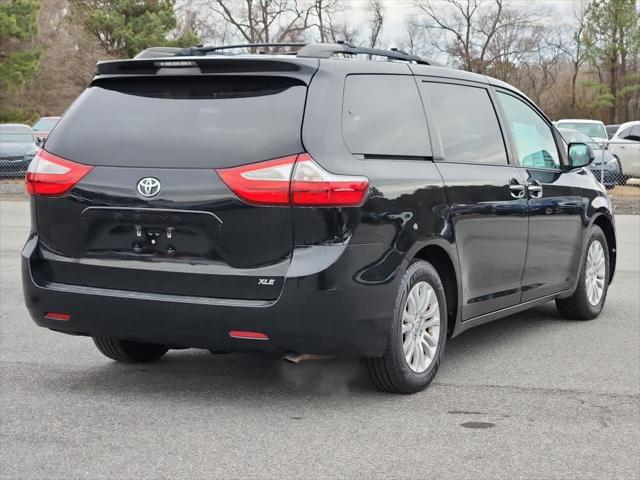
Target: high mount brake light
(295, 180)
(50, 175)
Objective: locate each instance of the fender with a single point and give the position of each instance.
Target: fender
(602, 212)
(451, 251)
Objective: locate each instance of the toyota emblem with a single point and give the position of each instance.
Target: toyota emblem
(148, 187)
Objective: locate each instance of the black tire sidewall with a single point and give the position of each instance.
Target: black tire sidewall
(594, 310)
(418, 271)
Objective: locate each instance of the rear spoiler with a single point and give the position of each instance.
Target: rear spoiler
(169, 64)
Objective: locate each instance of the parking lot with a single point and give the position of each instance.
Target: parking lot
(529, 396)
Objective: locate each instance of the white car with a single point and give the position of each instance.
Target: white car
(625, 145)
(592, 128)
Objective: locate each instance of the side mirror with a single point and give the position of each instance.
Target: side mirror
(580, 155)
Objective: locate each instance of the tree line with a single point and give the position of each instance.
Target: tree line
(583, 63)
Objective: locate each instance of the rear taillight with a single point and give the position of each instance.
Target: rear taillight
(296, 180)
(312, 185)
(51, 175)
(264, 183)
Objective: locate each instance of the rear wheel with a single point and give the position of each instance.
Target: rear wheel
(588, 299)
(129, 352)
(418, 334)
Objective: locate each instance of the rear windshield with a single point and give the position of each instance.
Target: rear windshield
(182, 122)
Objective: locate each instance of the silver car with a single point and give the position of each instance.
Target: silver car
(625, 145)
(18, 146)
(605, 166)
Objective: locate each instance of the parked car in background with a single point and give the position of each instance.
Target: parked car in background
(592, 128)
(611, 130)
(43, 126)
(625, 145)
(18, 146)
(605, 166)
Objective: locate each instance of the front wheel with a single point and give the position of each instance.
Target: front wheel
(418, 333)
(588, 299)
(621, 177)
(129, 352)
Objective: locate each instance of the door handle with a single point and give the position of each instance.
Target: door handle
(517, 189)
(535, 189)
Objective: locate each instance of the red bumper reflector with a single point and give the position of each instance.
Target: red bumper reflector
(247, 335)
(63, 317)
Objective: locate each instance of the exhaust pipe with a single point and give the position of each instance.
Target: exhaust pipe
(301, 357)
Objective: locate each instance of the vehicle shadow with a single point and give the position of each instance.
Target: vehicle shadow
(494, 334)
(197, 374)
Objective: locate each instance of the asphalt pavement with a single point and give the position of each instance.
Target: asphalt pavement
(530, 396)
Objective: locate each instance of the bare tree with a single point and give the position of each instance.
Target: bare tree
(539, 72)
(476, 34)
(375, 22)
(324, 12)
(190, 21)
(571, 45)
(414, 40)
(346, 33)
(265, 21)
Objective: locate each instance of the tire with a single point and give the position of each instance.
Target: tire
(392, 372)
(579, 306)
(129, 352)
(622, 177)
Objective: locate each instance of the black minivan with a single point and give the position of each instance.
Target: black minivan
(313, 202)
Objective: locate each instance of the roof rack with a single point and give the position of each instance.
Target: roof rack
(327, 50)
(305, 50)
(216, 48)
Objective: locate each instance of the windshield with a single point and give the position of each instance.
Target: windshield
(199, 122)
(45, 124)
(573, 136)
(593, 130)
(16, 138)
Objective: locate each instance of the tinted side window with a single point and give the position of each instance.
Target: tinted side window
(535, 144)
(634, 135)
(625, 133)
(467, 122)
(382, 114)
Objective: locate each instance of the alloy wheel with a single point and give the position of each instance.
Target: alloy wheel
(420, 327)
(595, 272)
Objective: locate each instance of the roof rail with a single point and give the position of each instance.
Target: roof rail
(327, 50)
(216, 48)
(306, 50)
(158, 52)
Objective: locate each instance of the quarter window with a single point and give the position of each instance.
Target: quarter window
(535, 144)
(467, 123)
(383, 115)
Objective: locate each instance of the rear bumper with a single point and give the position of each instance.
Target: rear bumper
(344, 309)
